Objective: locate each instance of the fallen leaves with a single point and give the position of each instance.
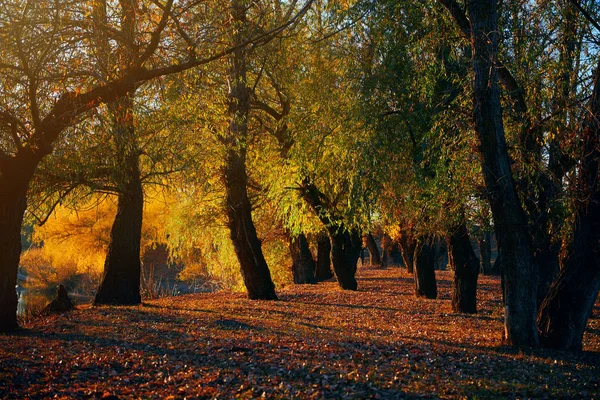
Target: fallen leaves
(317, 342)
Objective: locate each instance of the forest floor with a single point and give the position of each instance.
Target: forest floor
(316, 342)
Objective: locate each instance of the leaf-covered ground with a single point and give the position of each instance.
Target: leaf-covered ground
(316, 342)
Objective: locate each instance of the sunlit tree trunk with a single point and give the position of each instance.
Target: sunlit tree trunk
(466, 270)
(424, 269)
(303, 264)
(323, 268)
(519, 270)
(15, 175)
(568, 306)
(255, 271)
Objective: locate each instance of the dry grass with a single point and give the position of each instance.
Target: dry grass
(317, 342)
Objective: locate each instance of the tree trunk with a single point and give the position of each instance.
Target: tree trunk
(424, 270)
(466, 270)
(255, 271)
(485, 251)
(568, 306)
(373, 250)
(407, 249)
(303, 265)
(15, 175)
(345, 251)
(346, 244)
(509, 218)
(122, 268)
(323, 269)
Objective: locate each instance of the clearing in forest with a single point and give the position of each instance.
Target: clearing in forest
(316, 342)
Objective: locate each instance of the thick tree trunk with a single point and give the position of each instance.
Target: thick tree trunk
(568, 306)
(15, 175)
(373, 250)
(520, 271)
(424, 270)
(303, 265)
(323, 269)
(122, 268)
(345, 251)
(255, 271)
(466, 270)
(485, 251)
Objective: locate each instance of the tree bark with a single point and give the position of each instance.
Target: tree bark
(15, 175)
(303, 265)
(407, 249)
(255, 271)
(485, 251)
(373, 250)
(345, 251)
(568, 306)
(510, 220)
(466, 270)
(323, 268)
(424, 270)
(122, 268)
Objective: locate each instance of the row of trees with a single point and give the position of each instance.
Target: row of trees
(436, 119)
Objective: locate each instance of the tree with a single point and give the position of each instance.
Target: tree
(373, 249)
(509, 218)
(303, 264)
(424, 269)
(568, 306)
(122, 269)
(466, 269)
(323, 267)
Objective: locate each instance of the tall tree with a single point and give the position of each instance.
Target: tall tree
(568, 306)
(466, 269)
(122, 269)
(520, 274)
(255, 271)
